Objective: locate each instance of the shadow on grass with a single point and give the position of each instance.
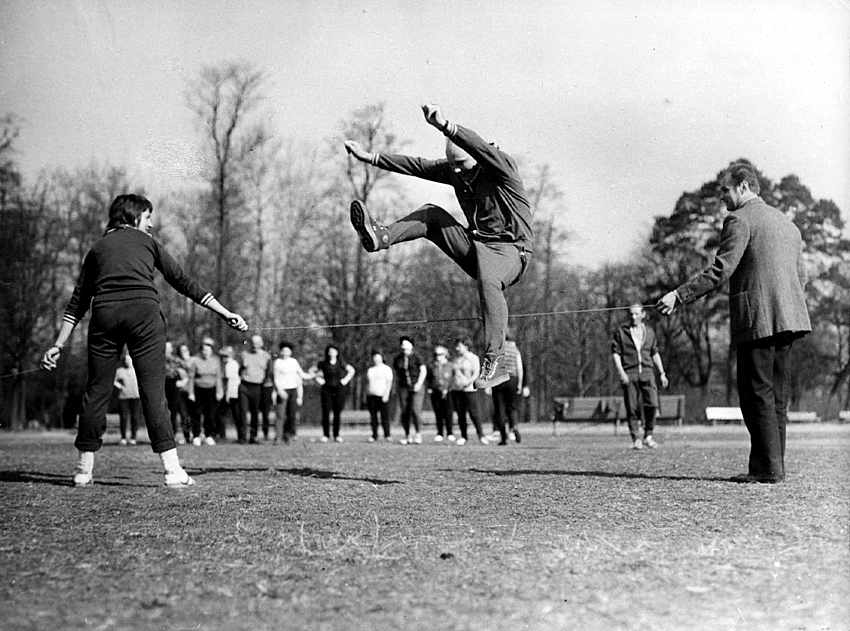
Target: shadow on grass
(597, 474)
(56, 479)
(304, 472)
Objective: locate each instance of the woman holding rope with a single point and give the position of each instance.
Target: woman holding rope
(116, 281)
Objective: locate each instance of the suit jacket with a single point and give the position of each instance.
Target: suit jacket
(761, 254)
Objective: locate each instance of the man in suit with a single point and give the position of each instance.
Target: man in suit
(760, 253)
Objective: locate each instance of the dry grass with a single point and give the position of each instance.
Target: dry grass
(573, 532)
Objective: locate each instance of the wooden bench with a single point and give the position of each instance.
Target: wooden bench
(611, 408)
(723, 414)
(803, 417)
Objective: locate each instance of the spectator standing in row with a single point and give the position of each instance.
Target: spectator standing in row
(209, 389)
(410, 373)
(230, 404)
(439, 381)
(506, 396)
(333, 375)
(175, 376)
(254, 364)
(464, 397)
(379, 386)
(288, 379)
(267, 394)
(191, 424)
(129, 403)
(635, 351)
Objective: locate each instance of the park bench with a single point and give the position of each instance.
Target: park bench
(713, 414)
(803, 417)
(612, 408)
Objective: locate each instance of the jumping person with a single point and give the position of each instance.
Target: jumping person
(116, 281)
(495, 247)
(761, 255)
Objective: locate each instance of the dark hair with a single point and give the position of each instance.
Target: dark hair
(374, 352)
(126, 210)
(328, 350)
(464, 341)
(743, 172)
(285, 344)
(405, 338)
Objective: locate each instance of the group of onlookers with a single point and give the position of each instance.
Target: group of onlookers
(258, 392)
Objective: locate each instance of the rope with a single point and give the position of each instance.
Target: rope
(435, 321)
(351, 325)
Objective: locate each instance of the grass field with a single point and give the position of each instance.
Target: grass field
(570, 532)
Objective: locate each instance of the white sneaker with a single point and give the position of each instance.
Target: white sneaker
(338, 439)
(461, 441)
(404, 441)
(451, 438)
(323, 439)
(123, 441)
(438, 439)
(512, 435)
(649, 441)
(178, 479)
(638, 444)
(133, 441)
(371, 439)
(209, 440)
(494, 435)
(484, 440)
(196, 441)
(180, 440)
(417, 438)
(83, 479)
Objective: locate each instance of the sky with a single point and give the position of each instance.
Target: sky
(630, 104)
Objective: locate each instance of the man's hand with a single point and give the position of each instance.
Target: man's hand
(664, 381)
(434, 116)
(353, 148)
(624, 379)
(668, 303)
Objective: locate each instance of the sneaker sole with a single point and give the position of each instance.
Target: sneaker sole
(361, 221)
(481, 384)
(181, 485)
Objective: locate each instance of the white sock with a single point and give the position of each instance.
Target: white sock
(170, 461)
(85, 462)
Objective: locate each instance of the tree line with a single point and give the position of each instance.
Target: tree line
(266, 229)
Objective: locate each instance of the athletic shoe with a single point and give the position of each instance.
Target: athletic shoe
(372, 235)
(461, 441)
(133, 441)
(494, 435)
(196, 441)
(484, 440)
(451, 438)
(491, 374)
(178, 479)
(516, 436)
(649, 441)
(388, 439)
(404, 441)
(323, 439)
(83, 479)
(180, 440)
(417, 438)
(371, 439)
(209, 440)
(638, 444)
(123, 441)
(337, 439)
(438, 439)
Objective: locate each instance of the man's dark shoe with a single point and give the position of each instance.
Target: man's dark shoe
(491, 374)
(748, 478)
(517, 436)
(372, 235)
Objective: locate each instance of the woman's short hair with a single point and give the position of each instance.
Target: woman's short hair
(126, 210)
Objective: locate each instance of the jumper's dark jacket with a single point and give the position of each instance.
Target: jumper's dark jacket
(494, 202)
